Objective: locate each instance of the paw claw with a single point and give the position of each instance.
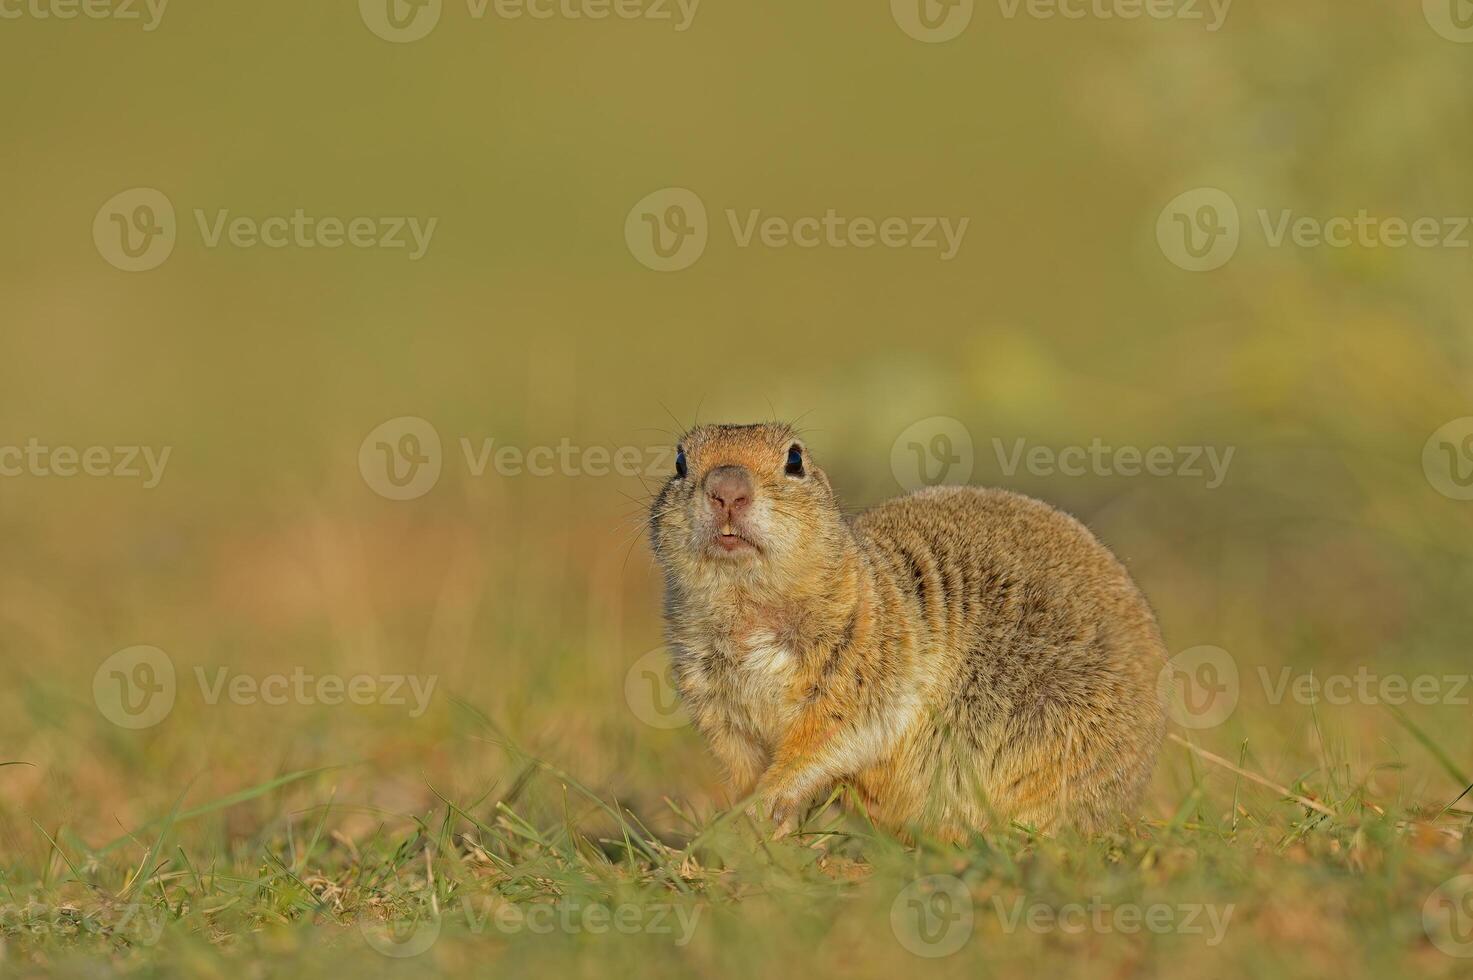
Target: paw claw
(785, 826)
(782, 814)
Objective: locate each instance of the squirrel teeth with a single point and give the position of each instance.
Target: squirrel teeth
(726, 529)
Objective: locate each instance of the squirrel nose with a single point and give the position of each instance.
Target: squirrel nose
(729, 489)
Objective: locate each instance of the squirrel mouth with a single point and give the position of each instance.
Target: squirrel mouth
(730, 541)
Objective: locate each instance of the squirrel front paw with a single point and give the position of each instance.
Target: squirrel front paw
(782, 809)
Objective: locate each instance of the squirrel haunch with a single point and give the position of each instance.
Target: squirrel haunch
(962, 657)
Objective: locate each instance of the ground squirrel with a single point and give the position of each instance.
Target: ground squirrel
(962, 657)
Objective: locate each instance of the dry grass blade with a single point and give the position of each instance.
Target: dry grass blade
(1218, 760)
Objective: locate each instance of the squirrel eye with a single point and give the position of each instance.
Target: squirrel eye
(795, 462)
(680, 467)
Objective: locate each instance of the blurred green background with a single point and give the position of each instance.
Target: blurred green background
(1061, 320)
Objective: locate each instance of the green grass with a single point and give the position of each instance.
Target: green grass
(540, 875)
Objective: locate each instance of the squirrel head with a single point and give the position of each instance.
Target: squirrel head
(747, 506)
